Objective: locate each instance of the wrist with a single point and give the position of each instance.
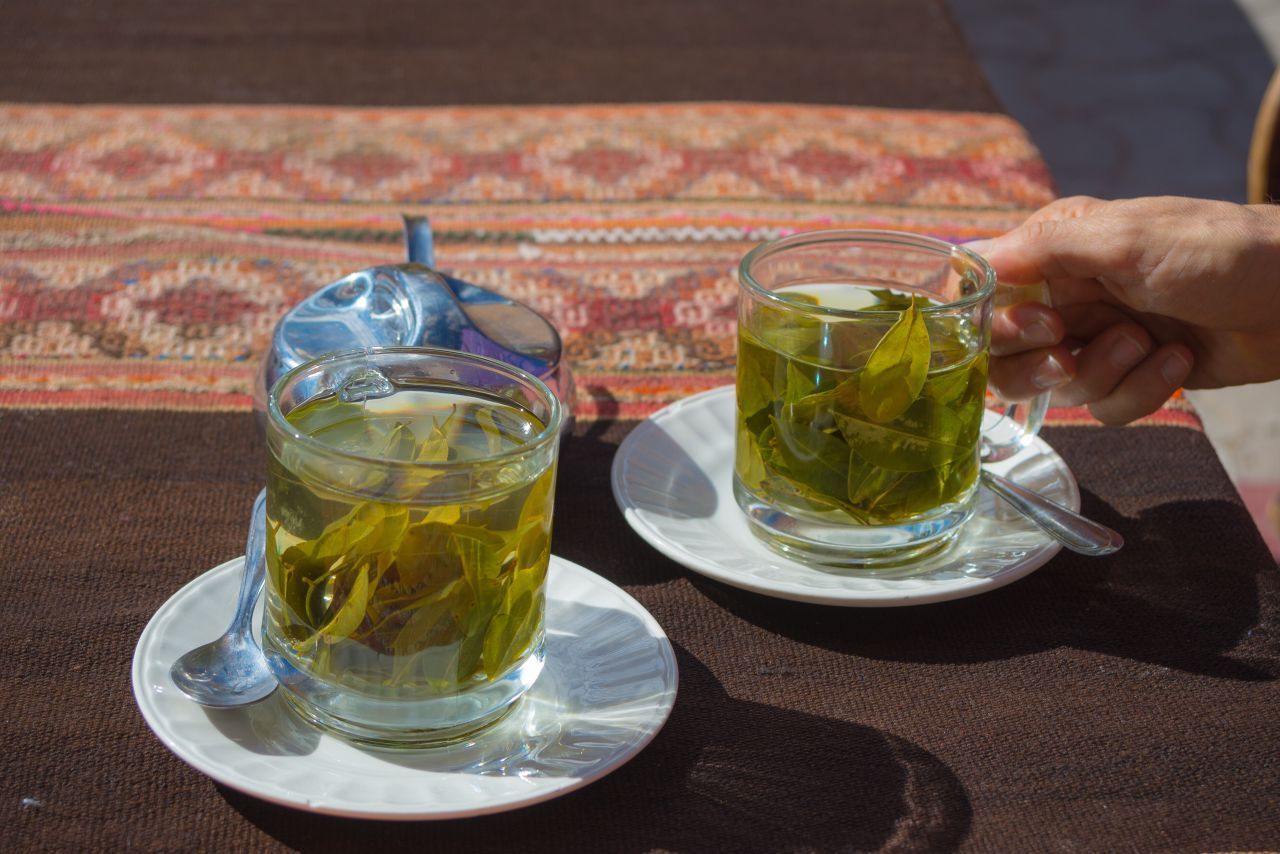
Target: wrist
(1264, 223)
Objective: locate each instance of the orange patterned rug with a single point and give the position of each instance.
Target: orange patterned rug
(146, 253)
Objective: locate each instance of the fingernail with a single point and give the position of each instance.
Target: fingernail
(1050, 374)
(1039, 334)
(1175, 369)
(1126, 352)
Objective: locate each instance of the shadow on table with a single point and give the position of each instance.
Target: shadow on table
(1187, 602)
(722, 775)
(590, 530)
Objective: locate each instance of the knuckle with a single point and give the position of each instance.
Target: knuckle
(1041, 231)
(1073, 393)
(1078, 205)
(1133, 330)
(1124, 240)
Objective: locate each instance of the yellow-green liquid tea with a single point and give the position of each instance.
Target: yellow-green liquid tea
(397, 592)
(849, 420)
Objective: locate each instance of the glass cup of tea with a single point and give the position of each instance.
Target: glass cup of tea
(862, 394)
(409, 502)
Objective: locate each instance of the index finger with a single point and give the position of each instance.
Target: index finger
(1064, 240)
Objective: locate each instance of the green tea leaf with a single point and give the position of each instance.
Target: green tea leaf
(320, 592)
(513, 630)
(462, 602)
(837, 391)
(399, 443)
(430, 616)
(535, 545)
(817, 459)
(897, 368)
(748, 463)
(475, 628)
(424, 560)
(476, 547)
(958, 476)
(819, 443)
(444, 514)
(890, 496)
(435, 448)
(868, 483)
(755, 370)
(910, 494)
(505, 633)
(797, 297)
(802, 495)
(790, 333)
(349, 614)
(294, 574)
(799, 384)
(315, 415)
(768, 446)
(491, 432)
(375, 602)
(923, 438)
(296, 508)
(845, 396)
(946, 387)
(539, 502)
(370, 527)
(888, 300)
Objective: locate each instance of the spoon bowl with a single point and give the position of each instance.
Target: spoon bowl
(231, 671)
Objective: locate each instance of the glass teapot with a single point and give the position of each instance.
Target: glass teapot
(413, 305)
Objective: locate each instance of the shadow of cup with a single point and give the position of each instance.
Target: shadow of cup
(664, 479)
(268, 728)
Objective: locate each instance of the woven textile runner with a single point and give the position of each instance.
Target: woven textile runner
(146, 253)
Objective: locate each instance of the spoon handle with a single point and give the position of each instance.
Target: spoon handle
(1074, 531)
(255, 567)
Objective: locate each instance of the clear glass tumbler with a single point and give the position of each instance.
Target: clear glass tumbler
(861, 394)
(409, 504)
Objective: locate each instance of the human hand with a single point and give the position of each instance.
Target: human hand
(1148, 295)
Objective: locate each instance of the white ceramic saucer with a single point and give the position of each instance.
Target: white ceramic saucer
(607, 688)
(673, 476)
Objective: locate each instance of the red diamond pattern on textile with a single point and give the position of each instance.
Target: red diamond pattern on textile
(132, 163)
(604, 165)
(373, 166)
(821, 161)
(33, 162)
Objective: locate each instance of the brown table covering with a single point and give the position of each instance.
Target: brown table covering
(884, 53)
(1118, 704)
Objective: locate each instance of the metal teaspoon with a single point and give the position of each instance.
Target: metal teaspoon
(231, 670)
(1080, 535)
